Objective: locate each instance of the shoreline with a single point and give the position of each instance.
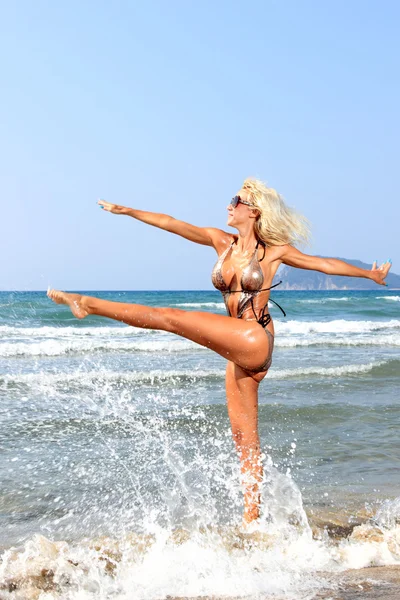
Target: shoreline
(369, 583)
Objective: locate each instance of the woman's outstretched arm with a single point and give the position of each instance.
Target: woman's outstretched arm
(208, 236)
(333, 266)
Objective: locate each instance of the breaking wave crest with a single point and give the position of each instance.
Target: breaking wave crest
(393, 298)
(336, 326)
(63, 347)
(271, 560)
(174, 377)
(218, 305)
(323, 300)
(59, 341)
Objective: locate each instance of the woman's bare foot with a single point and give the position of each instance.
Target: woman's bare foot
(251, 515)
(74, 301)
(250, 526)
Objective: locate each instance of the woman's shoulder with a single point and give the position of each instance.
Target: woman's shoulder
(278, 251)
(225, 240)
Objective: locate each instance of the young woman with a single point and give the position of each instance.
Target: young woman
(268, 232)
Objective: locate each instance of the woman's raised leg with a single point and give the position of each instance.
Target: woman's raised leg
(242, 398)
(243, 342)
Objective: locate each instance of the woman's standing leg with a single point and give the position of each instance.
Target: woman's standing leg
(241, 342)
(242, 398)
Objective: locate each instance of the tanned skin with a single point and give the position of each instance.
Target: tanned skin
(242, 342)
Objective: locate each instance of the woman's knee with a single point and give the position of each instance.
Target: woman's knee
(245, 438)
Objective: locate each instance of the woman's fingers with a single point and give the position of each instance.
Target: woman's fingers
(388, 266)
(106, 205)
(385, 268)
(381, 272)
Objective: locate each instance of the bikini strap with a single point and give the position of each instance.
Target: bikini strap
(270, 288)
(276, 304)
(270, 299)
(263, 245)
(257, 291)
(264, 317)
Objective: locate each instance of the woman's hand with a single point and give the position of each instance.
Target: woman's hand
(379, 274)
(116, 209)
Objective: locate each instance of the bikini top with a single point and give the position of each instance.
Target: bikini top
(251, 283)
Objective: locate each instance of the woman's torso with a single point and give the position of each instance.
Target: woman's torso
(240, 278)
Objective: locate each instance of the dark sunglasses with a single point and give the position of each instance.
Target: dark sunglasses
(237, 199)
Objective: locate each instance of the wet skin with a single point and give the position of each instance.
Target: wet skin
(242, 342)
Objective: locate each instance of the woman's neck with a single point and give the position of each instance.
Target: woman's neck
(246, 241)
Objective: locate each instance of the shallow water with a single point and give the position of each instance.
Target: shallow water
(115, 441)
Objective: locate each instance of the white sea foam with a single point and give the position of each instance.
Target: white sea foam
(194, 568)
(58, 341)
(325, 371)
(324, 300)
(94, 379)
(57, 332)
(63, 347)
(338, 326)
(394, 298)
(281, 325)
(219, 305)
(76, 347)
(216, 563)
(349, 340)
(388, 515)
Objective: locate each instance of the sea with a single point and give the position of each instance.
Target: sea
(119, 478)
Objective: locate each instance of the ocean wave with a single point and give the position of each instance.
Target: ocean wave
(78, 347)
(263, 561)
(59, 341)
(337, 326)
(93, 379)
(326, 371)
(65, 347)
(394, 298)
(282, 326)
(219, 305)
(323, 300)
(351, 340)
(57, 332)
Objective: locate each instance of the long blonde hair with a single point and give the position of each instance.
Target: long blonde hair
(277, 224)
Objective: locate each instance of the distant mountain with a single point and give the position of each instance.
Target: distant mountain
(301, 279)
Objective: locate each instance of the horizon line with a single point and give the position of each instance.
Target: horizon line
(200, 290)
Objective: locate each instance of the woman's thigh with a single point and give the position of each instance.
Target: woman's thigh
(242, 342)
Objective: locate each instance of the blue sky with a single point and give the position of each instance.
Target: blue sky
(168, 106)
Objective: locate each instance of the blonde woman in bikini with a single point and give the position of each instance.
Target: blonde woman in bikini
(267, 233)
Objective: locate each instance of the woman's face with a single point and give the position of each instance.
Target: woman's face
(242, 213)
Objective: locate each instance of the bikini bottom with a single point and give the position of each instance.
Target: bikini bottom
(266, 365)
